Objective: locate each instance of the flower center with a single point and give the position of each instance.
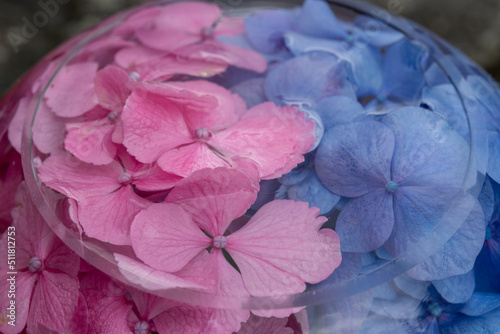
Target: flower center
(35, 264)
(391, 186)
(112, 116)
(435, 309)
(220, 241)
(381, 97)
(124, 178)
(134, 76)
(202, 134)
(488, 233)
(141, 327)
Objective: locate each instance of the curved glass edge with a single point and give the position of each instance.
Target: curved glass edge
(104, 260)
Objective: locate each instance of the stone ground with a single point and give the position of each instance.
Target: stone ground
(471, 25)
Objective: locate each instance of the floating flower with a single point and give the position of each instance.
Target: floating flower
(193, 125)
(46, 279)
(276, 252)
(401, 175)
(107, 202)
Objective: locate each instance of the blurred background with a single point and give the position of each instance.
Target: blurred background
(471, 25)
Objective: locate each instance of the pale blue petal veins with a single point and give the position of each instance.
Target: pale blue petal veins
(403, 70)
(376, 33)
(459, 253)
(456, 289)
(355, 159)
(317, 19)
(445, 101)
(366, 222)
(428, 151)
(306, 79)
(339, 110)
(265, 29)
(312, 191)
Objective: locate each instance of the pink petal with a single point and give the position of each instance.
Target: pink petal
(109, 315)
(131, 58)
(165, 237)
(275, 137)
(77, 179)
(79, 323)
(10, 179)
(218, 52)
(152, 125)
(198, 320)
(113, 86)
(154, 179)
(55, 298)
(102, 51)
(140, 20)
(282, 247)
(108, 217)
(149, 306)
(24, 287)
(213, 119)
(179, 24)
(154, 65)
(213, 270)
(187, 159)
(72, 92)
(48, 130)
(149, 278)
(91, 141)
(61, 258)
(17, 123)
(214, 197)
(257, 324)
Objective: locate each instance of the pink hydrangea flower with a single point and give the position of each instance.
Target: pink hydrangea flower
(276, 252)
(187, 126)
(105, 195)
(95, 140)
(189, 30)
(46, 280)
(11, 176)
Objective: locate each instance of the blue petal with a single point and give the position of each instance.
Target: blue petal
(251, 91)
(267, 192)
(348, 269)
(366, 222)
(339, 110)
(306, 79)
(383, 254)
(488, 324)
(312, 191)
(376, 33)
(355, 159)
(319, 128)
(317, 19)
(387, 291)
(434, 75)
(412, 287)
(265, 29)
(296, 175)
(403, 71)
(494, 156)
(458, 255)
(445, 101)
(481, 303)
(456, 289)
(344, 316)
(366, 61)
(428, 151)
(403, 307)
(487, 199)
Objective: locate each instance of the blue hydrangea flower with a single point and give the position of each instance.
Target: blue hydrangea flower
(402, 174)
